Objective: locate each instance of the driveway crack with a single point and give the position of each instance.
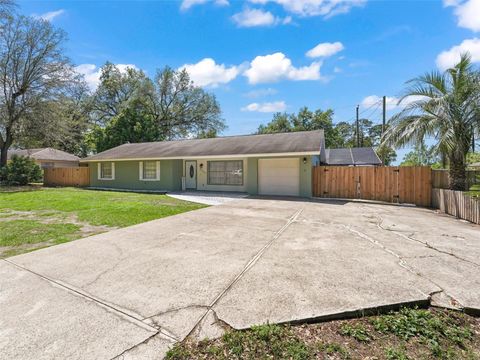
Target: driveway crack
(403, 263)
(426, 244)
(248, 266)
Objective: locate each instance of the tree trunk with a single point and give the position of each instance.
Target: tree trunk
(458, 175)
(3, 155)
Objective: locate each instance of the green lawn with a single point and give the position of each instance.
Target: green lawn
(406, 334)
(39, 217)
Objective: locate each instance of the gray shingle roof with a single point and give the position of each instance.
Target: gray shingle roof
(46, 154)
(352, 156)
(294, 142)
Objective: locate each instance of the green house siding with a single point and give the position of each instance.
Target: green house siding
(171, 172)
(252, 179)
(127, 176)
(306, 177)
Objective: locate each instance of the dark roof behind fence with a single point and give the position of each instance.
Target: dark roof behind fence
(293, 142)
(352, 156)
(46, 154)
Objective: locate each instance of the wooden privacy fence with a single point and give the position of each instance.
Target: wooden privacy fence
(441, 180)
(406, 184)
(457, 203)
(73, 176)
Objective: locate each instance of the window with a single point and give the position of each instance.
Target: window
(149, 170)
(225, 172)
(106, 171)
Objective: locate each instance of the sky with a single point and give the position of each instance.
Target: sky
(263, 56)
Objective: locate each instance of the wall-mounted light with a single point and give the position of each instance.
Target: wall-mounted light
(201, 166)
(304, 160)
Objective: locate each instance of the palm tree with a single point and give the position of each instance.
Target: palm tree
(444, 107)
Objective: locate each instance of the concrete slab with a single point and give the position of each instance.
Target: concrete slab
(307, 275)
(207, 197)
(242, 263)
(41, 320)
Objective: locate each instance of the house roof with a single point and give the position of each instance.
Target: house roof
(45, 154)
(303, 142)
(352, 156)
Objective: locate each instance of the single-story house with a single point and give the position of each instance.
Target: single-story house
(47, 157)
(365, 156)
(269, 164)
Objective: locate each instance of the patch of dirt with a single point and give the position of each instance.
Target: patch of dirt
(47, 217)
(407, 334)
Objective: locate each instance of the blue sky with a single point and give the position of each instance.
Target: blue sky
(261, 56)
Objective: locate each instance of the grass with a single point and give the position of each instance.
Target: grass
(19, 232)
(475, 191)
(51, 216)
(108, 208)
(406, 334)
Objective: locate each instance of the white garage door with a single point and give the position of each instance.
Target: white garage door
(279, 176)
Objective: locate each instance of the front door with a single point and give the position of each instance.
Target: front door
(191, 174)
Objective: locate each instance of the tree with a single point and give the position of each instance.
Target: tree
(117, 89)
(279, 124)
(421, 156)
(21, 170)
(132, 125)
(182, 109)
(305, 120)
(64, 122)
(33, 70)
(447, 110)
(170, 107)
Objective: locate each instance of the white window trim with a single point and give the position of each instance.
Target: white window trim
(140, 171)
(99, 172)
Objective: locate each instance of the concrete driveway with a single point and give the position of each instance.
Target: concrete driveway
(133, 292)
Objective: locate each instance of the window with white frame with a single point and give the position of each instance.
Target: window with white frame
(106, 171)
(149, 170)
(225, 172)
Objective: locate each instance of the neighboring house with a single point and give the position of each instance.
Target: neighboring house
(47, 157)
(475, 166)
(365, 156)
(269, 164)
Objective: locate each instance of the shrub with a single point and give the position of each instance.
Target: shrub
(21, 170)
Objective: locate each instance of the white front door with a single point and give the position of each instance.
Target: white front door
(191, 174)
(279, 176)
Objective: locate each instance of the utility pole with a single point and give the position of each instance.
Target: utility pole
(358, 128)
(384, 114)
(384, 117)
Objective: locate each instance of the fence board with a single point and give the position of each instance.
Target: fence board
(440, 178)
(72, 176)
(457, 203)
(389, 183)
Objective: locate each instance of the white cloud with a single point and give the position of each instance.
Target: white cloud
(325, 50)
(267, 107)
(337, 70)
(391, 101)
(49, 16)
(261, 93)
(257, 17)
(326, 8)
(449, 58)
(187, 4)
(254, 17)
(208, 73)
(91, 73)
(467, 12)
(275, 67)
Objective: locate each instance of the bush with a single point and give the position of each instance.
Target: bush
(21, 170)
